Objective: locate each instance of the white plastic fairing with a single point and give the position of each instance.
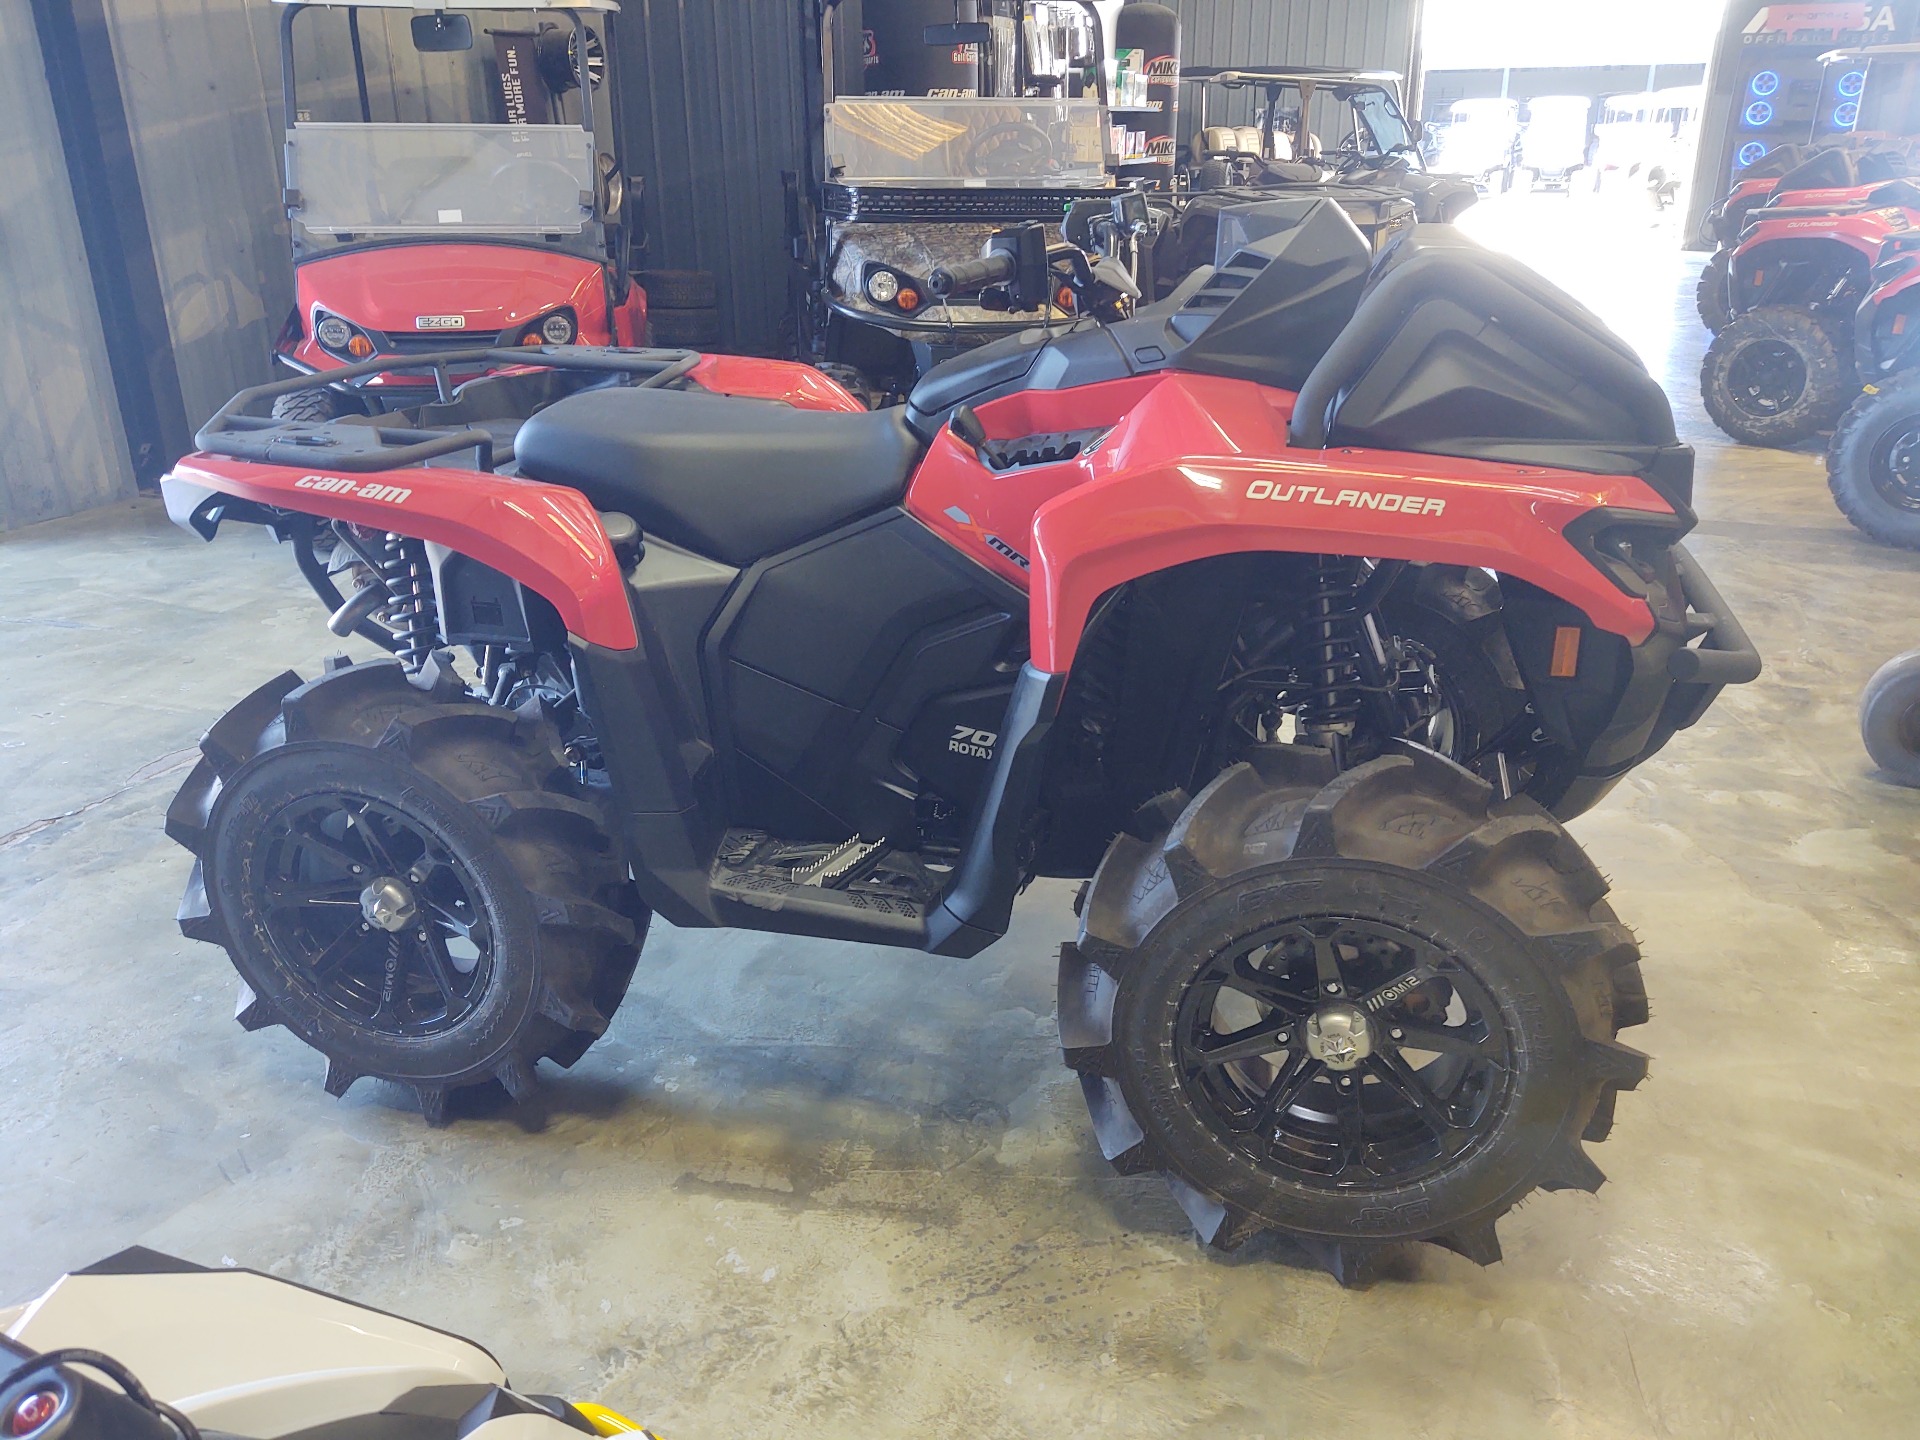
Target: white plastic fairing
(247, 1354)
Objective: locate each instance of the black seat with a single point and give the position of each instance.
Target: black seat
(728, 478)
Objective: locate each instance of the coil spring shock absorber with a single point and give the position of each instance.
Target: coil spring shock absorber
(411, 614)
(1331, 703)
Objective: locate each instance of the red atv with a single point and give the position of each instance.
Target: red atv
(1828, 179)
(1873, 458)
(450, 186)
(1248, 610)
(1782, 368)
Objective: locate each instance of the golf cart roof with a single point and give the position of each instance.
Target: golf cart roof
(1284, 74)
(1871, 52)
(428, 5)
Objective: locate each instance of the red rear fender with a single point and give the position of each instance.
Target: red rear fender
(752, 378)
(547, 537)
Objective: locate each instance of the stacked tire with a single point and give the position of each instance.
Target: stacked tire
(682, 308)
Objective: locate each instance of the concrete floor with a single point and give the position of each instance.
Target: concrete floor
(809, 1188)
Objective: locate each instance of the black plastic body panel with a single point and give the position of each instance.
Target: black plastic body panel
(1454, 350)
(1803, 271)
(822, 657)
(1625, 701)
(1270, 312)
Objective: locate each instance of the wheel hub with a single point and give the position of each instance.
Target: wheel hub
(387, 904)
(1339, 1037)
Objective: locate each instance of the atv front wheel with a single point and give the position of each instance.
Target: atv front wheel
(1890, 718)
(1774, 376)
(1873, 463)
(1710, 295)
(1360, 1009)
(408, 880)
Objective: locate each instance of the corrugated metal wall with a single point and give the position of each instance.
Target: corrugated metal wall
(61, 446)
(1379, 33)
(713, 96)
(201, 83)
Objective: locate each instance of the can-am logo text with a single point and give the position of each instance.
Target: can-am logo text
(341, 485)
(1387, 500)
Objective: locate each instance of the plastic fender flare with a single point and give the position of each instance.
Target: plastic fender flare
(547, 537)
(1506, 518)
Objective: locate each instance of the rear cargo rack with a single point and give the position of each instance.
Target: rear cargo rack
(359, 445)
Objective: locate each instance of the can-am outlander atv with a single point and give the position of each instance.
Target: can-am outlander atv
(143, 1346)
(1255, 612)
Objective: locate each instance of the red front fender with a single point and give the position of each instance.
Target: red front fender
(1198, 466)
(547, 537)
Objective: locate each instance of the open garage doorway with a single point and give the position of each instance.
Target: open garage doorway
(1579, 123)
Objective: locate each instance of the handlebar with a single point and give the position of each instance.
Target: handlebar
(994, 269)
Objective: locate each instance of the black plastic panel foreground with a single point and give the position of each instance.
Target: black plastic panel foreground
(1454, 350)
(1271, 311)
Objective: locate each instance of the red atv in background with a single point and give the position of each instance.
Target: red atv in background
(1247, 610)
(1832, 177)
(1873, 457)
(1782, 368)
(456, 177)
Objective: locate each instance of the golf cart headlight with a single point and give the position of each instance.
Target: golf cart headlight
(557, 329)
(882, 286)
(333, 332)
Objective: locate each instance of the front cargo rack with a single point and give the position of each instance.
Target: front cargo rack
(359, 444)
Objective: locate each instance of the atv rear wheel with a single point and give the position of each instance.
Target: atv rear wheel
(315, 405)
(1774, 376)
(1360, 1009)
(408, 880)
(1890, 718)
(1873, 463)
(1710, 295)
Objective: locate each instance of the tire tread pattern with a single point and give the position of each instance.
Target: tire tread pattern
(589, 928)
(1285, 806)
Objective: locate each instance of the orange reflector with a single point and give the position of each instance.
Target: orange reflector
(1063, 297)
(532, 337)
(907, 299)
(1566, 652)
(1899, 324)
(360, 347)
(1758, 276)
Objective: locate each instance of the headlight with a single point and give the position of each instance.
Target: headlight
(557, 329)
(882, 286)
(333, 332)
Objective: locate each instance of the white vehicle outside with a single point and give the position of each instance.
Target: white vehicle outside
(1647, 140)
(1481, 140)
(1555, 139)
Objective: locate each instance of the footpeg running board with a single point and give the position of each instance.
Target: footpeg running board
(760, 882)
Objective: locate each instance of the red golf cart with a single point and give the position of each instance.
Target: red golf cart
(453, 173)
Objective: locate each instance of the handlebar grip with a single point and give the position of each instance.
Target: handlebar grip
(972, 274)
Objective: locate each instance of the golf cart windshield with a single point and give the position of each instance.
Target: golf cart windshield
(1380, 122)
(966, 142)
(448, 179)
(400, 124)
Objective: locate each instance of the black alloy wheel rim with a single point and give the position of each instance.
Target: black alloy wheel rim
(321, 855)
(1895, 467)
(1436, 1079)
(1767, 378)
